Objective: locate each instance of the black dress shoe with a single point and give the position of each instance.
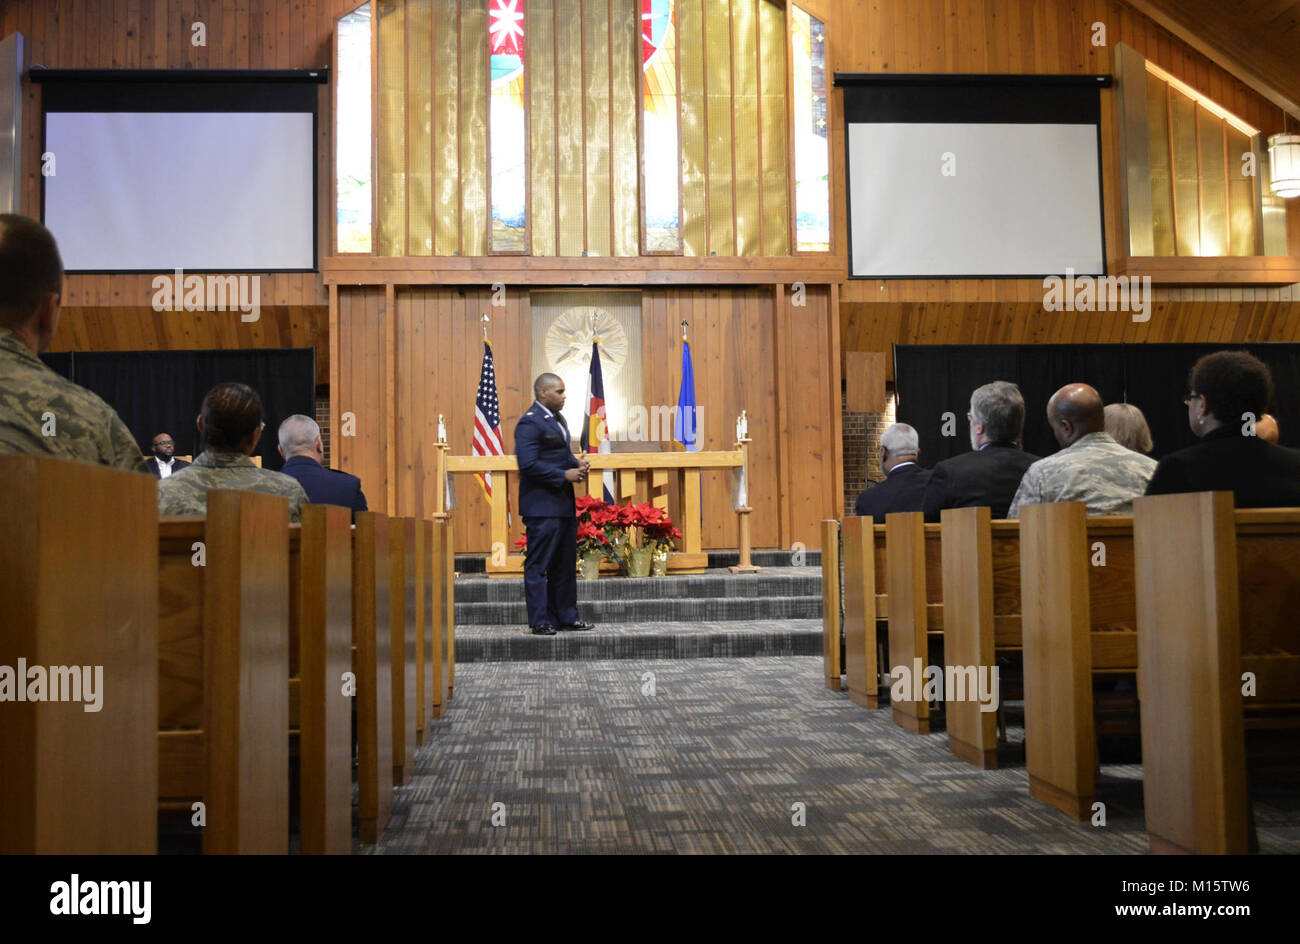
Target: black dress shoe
(577, 627)
(545, 630)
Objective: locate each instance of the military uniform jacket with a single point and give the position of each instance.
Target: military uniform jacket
(186, 492)
(1094, 469)
(543, 453)
(42, 413)
(325, 486)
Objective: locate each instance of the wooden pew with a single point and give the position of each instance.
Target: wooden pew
(1077, 619)
(372, 664)
(914, 584)
(223, 627)
(424, 652)
(79, 585)
(861, 668)
(449, 606)
(1218, 594)
(401, 609)
(320, 652)
(832, 668)
(981, 617)
(440, 591)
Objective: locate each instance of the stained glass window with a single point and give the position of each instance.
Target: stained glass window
(811, 129)
(352, 133)
(662, 161)
(507, 141)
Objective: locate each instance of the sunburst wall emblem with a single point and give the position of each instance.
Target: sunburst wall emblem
(568, 341)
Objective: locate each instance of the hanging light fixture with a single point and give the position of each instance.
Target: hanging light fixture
(1284, 164)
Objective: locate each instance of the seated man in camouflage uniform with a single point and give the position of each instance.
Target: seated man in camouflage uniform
(1091, 467)
(230, 424)
(41, 412)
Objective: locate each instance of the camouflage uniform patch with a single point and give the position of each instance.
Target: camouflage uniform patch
(1095, 470)
(186, 492)
(35, 400)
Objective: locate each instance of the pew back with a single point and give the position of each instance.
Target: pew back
(79, 581)
(372, 664)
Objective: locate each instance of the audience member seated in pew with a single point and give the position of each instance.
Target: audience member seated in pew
(40, 412)
(907, 486)
(1128, 427)
(991, 473)
(1229, 389)
(1091, 467)
(304, 460)
(230, 424)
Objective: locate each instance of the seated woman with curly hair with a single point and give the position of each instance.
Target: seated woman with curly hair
(1230, 390)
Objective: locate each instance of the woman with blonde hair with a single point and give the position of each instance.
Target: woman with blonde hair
(1128, 427)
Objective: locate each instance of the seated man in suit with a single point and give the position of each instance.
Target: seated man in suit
(1091, 467)
(230, 425)
(991, 473)
(41, 412)
(907, 486)
(1231, 455)
(162, 463)
(304, 460)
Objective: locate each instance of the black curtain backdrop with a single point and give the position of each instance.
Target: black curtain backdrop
(931, 380)
(161, 391)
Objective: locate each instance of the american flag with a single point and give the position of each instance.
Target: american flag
(487, 418)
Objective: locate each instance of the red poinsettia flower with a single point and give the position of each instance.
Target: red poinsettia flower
(522, 543)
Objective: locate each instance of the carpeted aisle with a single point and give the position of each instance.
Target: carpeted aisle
(713, 761)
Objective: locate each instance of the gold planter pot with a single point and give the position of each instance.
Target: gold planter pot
(659, 561)
(589, 565)
(639, 562)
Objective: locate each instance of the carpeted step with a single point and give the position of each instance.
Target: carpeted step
(767, 557)
(665, 640)
(790, 581)
(655, 610)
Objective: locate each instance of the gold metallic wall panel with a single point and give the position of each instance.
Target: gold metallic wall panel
(1185, 175)
(745, 67)
(473, 126)
(392, 128)
(625, 74)
(695, 157)
(717, 46)
(1241, 197)
(446, 140)
(1162, 190)
(540, 62)
(569, 165)
(595, 44)
(419, 65)
(772, 45)
(1214, 185)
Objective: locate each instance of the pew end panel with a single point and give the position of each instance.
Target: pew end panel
(79, 577)
(968, 628)
(423, 619)
(322, 594)
(372, 664)
(832, 669)
(401, 610)
(1060, 753)
(905, 550)
(861, 654)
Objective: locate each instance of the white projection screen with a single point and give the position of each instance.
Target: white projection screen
(227, 186)
(973, 176)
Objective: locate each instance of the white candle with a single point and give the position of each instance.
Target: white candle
(744, 424)
(442, 430)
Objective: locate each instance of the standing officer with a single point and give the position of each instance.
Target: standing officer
(547, 470)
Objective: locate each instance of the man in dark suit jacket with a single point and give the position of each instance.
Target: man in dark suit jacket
(304, 460)
(1231, 456)
(547, 470)
(991, 473)
(162, 463)
(907, 486)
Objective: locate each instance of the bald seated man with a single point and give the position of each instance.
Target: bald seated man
(1091, 466)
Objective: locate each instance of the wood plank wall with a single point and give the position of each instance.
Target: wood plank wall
(395, 376)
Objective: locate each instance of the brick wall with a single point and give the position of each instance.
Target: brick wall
(862, 448)
(323, 420)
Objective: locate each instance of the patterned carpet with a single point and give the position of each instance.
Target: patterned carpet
(584, 762)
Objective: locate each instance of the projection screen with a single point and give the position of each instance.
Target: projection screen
(955, 180)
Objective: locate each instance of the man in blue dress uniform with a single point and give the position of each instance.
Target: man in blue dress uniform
(547, 470)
